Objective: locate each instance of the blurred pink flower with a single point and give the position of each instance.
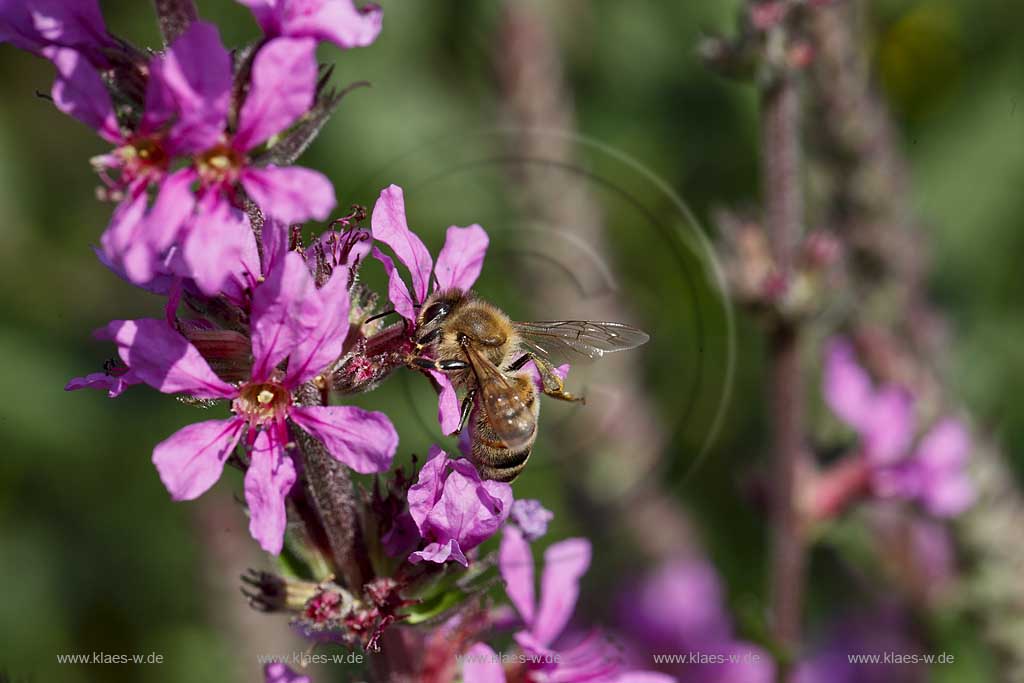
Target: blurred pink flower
(458, 266)
(875, 634)
(281, 673)
(453, 509)
(531, 517)
(338, 21)
(680, 609)
(44, 26)
(592, 658)
(934, 473)
(290, 319)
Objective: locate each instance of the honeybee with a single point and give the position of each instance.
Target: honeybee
(484, 353)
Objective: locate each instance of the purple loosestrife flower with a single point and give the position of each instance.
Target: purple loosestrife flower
(206, 223)
(338, 21)
(531, 517)
(458, 266)
(281, 673)
(591, 659)
(290, 319)
(44, 26)
(935, 476)
(180, 93)
(680, 609)
(453, 509)
(873, 635)
(934, 473)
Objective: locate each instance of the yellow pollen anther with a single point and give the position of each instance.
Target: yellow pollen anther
(265, 396)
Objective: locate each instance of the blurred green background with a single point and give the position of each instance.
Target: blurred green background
(93, 554)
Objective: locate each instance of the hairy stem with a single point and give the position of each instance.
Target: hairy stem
(783, 217)
(396, 661)
(872, 209)
(333, 496)
(175, 17)
(332, 493)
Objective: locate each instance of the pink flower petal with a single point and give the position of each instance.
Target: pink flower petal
(564, 563)
(190, 460)
(270, 476)
(215, 248)
(284, 77)
(113, 385)
(42, 26)
(425, 493)
(462, 257)
(123, 250)
(530, 517)
(946, 489)
(280, 673)
(290, 194)
(136, 242)
(159, 108)
(515, 560)
(172, 207)
(888, 427)
(324, 344)
(159, 356)
(160, 284)
(450, 503)
(389, 226)
(847, 387)
(440, 553)
(338, 21)
(80, 92)
(948, 493)
(267, 15)
(196, 74)
(275, 243)
(449, 412)
(946, 445)
(398, 293)
(655, 677)
(285, 308)
(481, 665)
(364, 440)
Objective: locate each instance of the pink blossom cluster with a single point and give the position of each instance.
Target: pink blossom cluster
(208, 213)
(931, 472)
(187, 176)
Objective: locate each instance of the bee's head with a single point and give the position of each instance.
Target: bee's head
(434, 311)
(438, 306)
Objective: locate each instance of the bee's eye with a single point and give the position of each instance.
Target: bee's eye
(435, 311)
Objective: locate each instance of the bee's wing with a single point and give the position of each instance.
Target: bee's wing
(507, 409)
(574, 341)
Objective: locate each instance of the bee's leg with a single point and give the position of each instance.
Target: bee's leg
(467, 409)
(520, 362)
(447, 365)
(553, 385)
(427, 339)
